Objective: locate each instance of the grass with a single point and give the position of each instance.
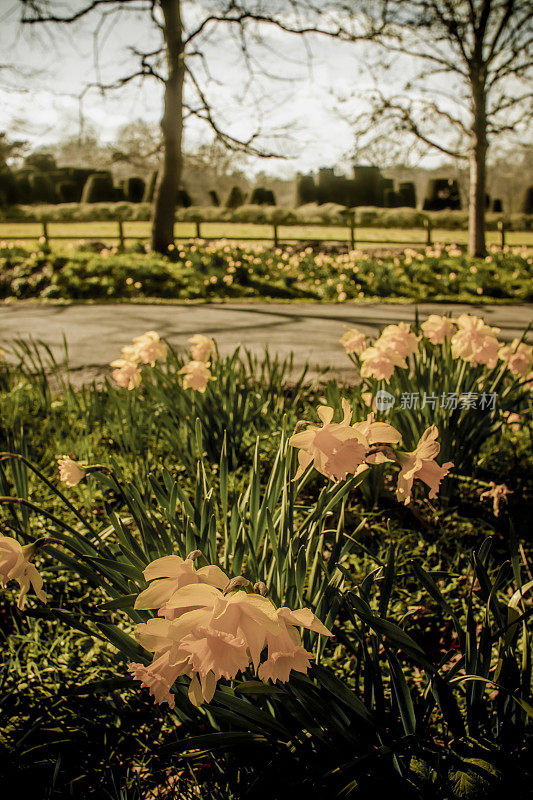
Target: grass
(72, 232)
(53, 705)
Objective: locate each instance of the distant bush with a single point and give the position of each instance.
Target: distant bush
(42, 189)
(67, 192)
(98, 189)
(8, 188)
(213, 196)
(497, 206)
(527, 205)
(407, 193)
(235, 197)
(262, 197)
(305, 190)
(329, 213)
(183, 199)
(134, 190)
(443, 193)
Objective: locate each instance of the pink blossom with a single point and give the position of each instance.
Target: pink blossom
(353, 341)
(201, 347)
(399, 338)
(69, 471)
(127, 373)
(149, 348)
(317, 445)
(420, 463)
(212, 650)
(285, 651)
(380, 361)
(437, 329)
(518, 356)
(15, 564)
(197, 375)
(158, 677)
(475, 342)
(170, 573)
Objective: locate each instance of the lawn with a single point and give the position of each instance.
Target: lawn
(423, 689)
(107, 232)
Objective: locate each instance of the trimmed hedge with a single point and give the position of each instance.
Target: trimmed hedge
(365, 216)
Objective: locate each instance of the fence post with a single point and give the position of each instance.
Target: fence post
(198, 234)
(45, 232)
(501, 228)
(120, 234)
(276, 237)
(352, 230)
(427, 224)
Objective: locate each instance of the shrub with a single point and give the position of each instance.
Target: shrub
(42, 162)
(442, 193)
(527, 205)
(262, 197)
(497, 206)
(407, 194)
(134, 190)
(68, 192)
(42, 189)
(8, 188)
(213, 196)
(306, 191)
(98, 189)
(183, 199)
(235, 197)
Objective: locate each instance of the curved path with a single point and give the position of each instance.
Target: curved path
(95, 333)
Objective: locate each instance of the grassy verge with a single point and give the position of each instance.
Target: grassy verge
(221, 271)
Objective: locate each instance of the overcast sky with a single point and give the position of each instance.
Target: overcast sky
(307, 92)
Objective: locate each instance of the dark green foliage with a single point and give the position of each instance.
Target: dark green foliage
(134, 189)
(442, 193)
(368, 185)
(68, 192)
(497, 206)
(149, 188)
(8, 187)
(80, 177)
(527, 205)
(213, 196)
(235, 197)
(42, 189)
(183, 199)
(262, 197)
(98, 188)
(407, 194)
(42, 162)
(306, 191)
(391, 199)
(23, 188)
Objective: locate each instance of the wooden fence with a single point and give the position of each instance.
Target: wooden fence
(351, 234)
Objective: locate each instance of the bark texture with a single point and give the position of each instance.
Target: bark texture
(164, 209)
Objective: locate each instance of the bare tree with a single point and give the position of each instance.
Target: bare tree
(467, 64)
(180, 64)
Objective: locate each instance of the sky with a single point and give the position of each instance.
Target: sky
(300, 96)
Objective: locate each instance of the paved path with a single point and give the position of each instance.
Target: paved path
(95, 333)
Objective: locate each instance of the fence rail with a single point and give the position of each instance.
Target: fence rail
(351, 234)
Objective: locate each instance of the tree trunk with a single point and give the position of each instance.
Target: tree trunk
(478, 158)
(164, 207)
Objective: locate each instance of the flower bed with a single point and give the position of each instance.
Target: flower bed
(300, 575)
(220, 271)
